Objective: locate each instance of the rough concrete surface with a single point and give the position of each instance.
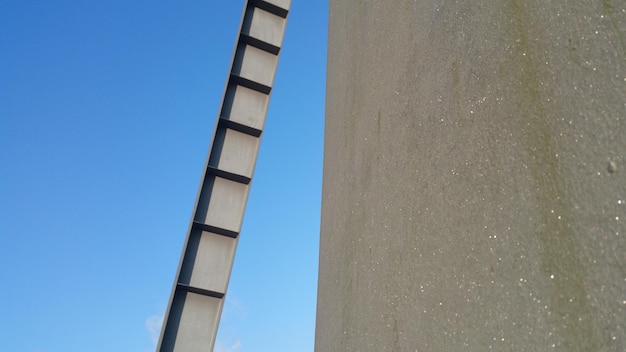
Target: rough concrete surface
(474, 192)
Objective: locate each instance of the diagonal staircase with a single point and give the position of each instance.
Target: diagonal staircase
(199, 290)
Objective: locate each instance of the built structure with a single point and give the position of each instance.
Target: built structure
(199, 289)
(474, 193)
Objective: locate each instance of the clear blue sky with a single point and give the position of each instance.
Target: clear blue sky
(107, 109)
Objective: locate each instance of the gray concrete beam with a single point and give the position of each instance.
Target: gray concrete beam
(200, 286)
(474, 190)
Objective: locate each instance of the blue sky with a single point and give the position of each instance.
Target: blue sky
(107, 109)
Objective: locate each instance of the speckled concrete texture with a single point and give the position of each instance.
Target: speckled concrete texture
(474, 193)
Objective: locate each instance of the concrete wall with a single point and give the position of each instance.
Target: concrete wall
(474, 177)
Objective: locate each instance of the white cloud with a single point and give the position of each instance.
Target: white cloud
(236, 346)
(233, 308)
(233, 314)
(153, 325)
